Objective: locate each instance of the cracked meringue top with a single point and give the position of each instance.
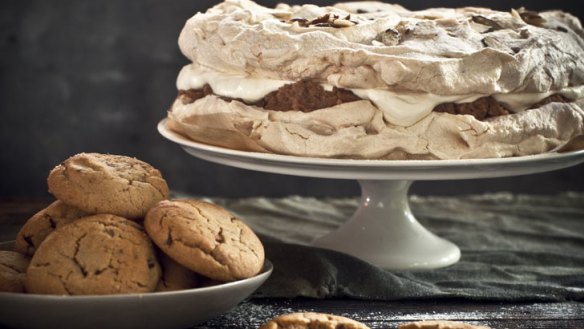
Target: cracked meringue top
(373, 45)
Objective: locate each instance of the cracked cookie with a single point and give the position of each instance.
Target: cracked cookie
(43, 223)
(104, 183)
(206, 239)
(12, 271)
(95, 255)
(439, 324)
(310, 320)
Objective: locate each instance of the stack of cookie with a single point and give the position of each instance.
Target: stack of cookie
(112, 230)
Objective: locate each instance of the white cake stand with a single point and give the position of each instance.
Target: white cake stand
(383, 231)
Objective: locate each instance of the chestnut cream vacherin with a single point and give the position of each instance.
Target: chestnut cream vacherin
(370, 80)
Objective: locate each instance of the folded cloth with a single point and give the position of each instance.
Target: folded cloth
(514, 247)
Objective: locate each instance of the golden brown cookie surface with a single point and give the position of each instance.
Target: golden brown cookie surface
(440, 324)
(12, 271)
(206, 239)
(104, 183)
(43, 223)
(310, 320)
(95, 255)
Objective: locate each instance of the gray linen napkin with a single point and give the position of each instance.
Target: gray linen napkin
(514, 247)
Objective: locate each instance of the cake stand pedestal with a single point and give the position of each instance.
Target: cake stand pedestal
(383, 231)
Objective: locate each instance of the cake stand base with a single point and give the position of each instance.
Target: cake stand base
(384, 232)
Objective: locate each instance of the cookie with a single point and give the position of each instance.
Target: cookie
(175, 276)
(43, 223)
(310, 320)
(95, 255)
(439, 324)
(104, 183)
(12, 271)
(206, 239)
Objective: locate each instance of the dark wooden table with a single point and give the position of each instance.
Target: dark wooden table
(252, 313)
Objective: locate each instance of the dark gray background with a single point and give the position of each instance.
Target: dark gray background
(97, 76)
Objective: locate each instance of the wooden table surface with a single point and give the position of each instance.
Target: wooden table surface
(250, 314)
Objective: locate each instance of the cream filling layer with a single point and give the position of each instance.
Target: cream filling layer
(402, 109)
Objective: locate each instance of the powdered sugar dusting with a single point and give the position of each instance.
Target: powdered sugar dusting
(246, 315)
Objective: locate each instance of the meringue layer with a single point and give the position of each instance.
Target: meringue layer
(398, 108)
(438, 51)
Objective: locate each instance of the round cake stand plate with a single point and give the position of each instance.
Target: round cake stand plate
(383, 231)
